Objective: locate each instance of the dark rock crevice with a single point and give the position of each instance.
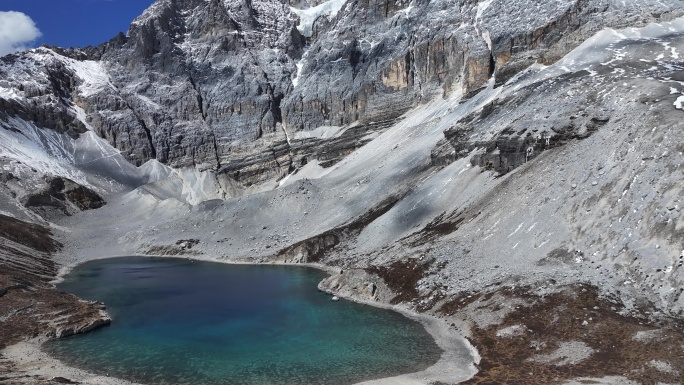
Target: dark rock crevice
(200, 99)
(492, 65)
(216, 152)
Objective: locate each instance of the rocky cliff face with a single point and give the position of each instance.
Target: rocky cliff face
(228, 85)
(200, 77)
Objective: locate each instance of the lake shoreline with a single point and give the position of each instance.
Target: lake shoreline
(455, 363)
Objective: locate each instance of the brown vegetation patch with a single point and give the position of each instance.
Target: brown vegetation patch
(443, 225)
(576, 314)
(29, 305)
(402, 277)
(29, 308)
(31, 235)
(457, 303)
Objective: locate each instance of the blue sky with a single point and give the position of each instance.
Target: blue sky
(77, 23)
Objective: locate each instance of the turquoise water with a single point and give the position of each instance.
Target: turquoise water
(182, 322)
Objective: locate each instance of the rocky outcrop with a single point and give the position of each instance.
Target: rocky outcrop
(180, 247)
(357, 284)
(62, 195)
(39, 93)
(511, 148)
(275, 159)
(310, 250)
(522, 135)
(315, 248)
(30, 306)
(94, 321)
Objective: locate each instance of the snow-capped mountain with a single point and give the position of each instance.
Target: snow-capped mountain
(489, 143)
(227, 85)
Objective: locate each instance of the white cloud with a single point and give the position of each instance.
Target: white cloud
(17, 32)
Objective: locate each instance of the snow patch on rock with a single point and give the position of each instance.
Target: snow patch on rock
(307, 17)
(678, 103)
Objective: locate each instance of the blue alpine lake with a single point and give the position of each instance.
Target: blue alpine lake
(177, 321)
